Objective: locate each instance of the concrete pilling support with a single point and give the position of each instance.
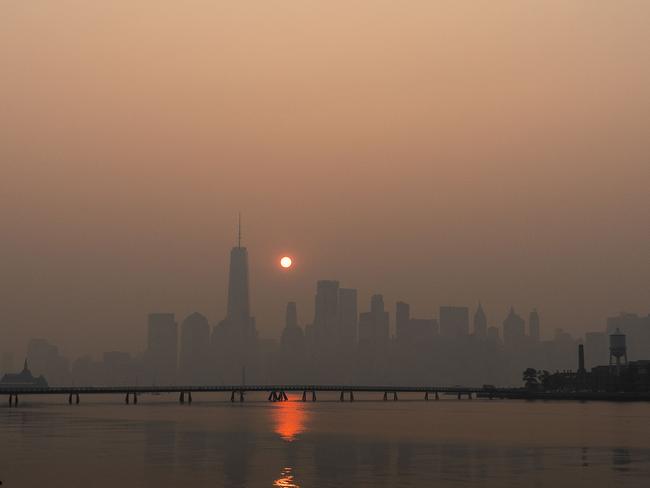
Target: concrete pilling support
(278, 396)
(350, 395)
(313, 395)
(76, 398)
(241, 395)
(128, 397)
(13, 399)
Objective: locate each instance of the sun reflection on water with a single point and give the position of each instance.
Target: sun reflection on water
(290, 419)
(286, 479)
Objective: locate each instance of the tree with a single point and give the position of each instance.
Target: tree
(530, 378)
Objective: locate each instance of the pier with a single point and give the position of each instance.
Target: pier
(276, 393)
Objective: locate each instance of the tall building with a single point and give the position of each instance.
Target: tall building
(292, 335)
(291, 364)
(533, 325)
(374, 339)
(412, 332)
(514, 329)
(402, 317)
(194, 358)
(239, 312)
(381, 320)
(454, 321)
(234, 339)
(374, 325)
(326, 313)
(347, 317)
(162, 348)
(480, 323)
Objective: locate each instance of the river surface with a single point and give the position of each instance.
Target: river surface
(368, 443)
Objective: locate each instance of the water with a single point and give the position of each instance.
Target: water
(368, 443)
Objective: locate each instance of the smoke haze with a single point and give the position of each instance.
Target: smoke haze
(436, 152)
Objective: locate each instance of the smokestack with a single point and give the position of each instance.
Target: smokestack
(581, 359)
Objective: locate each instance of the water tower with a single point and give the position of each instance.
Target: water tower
(617, 349)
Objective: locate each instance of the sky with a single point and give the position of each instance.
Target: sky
(438, 152)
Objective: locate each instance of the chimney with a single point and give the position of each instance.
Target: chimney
(581, 359)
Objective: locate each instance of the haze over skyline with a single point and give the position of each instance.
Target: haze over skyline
(442, 154)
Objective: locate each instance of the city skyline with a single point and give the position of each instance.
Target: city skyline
(441, 154)
(238, 305)
(312, 243)
(345, 342)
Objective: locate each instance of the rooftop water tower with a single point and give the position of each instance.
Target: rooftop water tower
(617, 348)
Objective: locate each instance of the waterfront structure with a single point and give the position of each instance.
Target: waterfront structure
(617, 349)
(637, 330)
(24, 379)
(44, 358)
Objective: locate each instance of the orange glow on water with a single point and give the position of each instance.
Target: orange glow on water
(286, 479)
(290, 419)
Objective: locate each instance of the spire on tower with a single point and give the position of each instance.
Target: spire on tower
(239, 229)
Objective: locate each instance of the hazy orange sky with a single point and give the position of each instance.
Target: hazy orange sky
(438, 152)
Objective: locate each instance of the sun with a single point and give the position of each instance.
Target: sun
(286, 262)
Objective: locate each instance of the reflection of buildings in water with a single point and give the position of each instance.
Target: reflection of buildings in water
(159, 453)
(620, 459)
(290, 419)
(337, 460)
(192, 450)
(238, 449)
(584, 456)
(286, 479)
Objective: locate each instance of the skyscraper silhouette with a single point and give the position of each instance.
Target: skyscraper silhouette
(234, 339)
(480, 323)
(514, 330)
(326, 308)
(374, 341)
(292, 361)
(292, 335)
(194, 356)
(238, 311)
